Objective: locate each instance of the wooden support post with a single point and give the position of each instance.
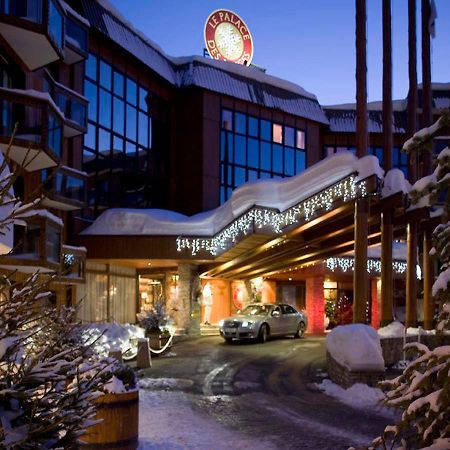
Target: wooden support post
(387, 279)
(428, 278)
(361, 79)
(360, 275)
(412, 94)
(427, 115)
(411, 275)
(388, 138)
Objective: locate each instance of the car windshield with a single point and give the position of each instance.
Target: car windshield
(256, 310)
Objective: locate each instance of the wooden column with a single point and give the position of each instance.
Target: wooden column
(428, 279)
(361, 79)
(427, 117)
(360, 275)
(388, 138)
(412, 94)
(411, 276)
(387, 281)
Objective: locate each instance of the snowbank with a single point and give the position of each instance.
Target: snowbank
(111, 336)
(357, 347)
(397, 329)
(358, 396)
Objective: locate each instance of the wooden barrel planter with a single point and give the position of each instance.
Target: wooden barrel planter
(158, 340)
(120, 426)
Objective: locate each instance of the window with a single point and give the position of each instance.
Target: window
(252, 148)
(118, 142)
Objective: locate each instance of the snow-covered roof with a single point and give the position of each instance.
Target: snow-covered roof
(245, 83)
(343, 120)
(279, 194)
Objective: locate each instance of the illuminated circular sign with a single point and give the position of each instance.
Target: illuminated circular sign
(228, 38)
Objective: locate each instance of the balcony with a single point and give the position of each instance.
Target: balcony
(34, 29)
(37, 244)
(63, 188)
(37, 125)
(73, 265)
(76, 40)
(71, 104)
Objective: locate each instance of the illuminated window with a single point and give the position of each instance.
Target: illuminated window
(277, 133)
(301, 140)
(253, 148)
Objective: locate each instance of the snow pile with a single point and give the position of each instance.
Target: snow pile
(164, 383)
(356, 346)
(115, 386)
(441, 282)
(367, 166)
(279, 194)
(358, 396)
(397, 329)
(394, 182)
(111, 336)
(394, 329)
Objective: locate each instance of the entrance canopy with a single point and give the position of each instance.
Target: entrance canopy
(266, 226)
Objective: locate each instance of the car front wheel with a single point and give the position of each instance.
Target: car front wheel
(300, 330)
(263, 333)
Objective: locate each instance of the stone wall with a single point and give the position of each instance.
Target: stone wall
(346, 378)
(182, 304)
(393, 347)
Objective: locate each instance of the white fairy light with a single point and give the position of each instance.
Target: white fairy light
(258, 217)
(373, 265)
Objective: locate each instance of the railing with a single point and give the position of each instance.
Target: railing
(76, 35)
(71, 104)
(37, 243)
(63, 184)
(39, 123)
(47, 15)
(73, 263)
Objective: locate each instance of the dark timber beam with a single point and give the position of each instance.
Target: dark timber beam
(388, 138)
(427, 117)
(428, 277)
(411, 276)
(412, 94)
(361, 79)
(387, 281)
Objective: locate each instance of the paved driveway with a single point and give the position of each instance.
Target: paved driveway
(264, 392)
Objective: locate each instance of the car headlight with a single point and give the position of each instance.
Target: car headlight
(221, 323)
(246, 324)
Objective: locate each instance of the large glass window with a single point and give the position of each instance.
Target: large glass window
(252, 148)
(118, 144)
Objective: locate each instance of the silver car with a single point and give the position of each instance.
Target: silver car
(261, 320)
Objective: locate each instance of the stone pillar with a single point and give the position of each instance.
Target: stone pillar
(375, 285)
(411, 276)
(387, 281)
(186, 276)
(360, 275)
(428, 278)
(315, 305)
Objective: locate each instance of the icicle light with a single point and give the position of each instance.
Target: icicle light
(258, 217)
(373, 265)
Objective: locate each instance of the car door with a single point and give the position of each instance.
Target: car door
(275, 321)
(290, 319)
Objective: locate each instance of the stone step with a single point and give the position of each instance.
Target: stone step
(209, 330)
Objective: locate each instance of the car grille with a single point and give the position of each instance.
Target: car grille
(231, 324)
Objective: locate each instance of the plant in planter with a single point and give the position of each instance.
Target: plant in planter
(155, 323)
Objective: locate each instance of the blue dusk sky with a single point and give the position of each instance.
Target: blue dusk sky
(308, 42)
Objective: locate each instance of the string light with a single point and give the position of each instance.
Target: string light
(373, 265)
(258, 218)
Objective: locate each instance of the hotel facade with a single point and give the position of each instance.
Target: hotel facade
(159, 174)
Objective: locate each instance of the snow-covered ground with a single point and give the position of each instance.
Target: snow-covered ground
(168, 421)
(359, 396)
